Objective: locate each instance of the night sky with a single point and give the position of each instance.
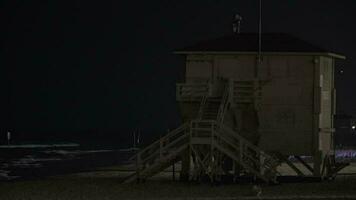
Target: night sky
(99, 69)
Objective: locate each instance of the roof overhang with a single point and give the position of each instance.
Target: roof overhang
(333, 55)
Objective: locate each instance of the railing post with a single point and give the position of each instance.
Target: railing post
(241, 150)
(212, 142)
(212, 132)
(256, 94)
(231, 90)
(190, 130)
(174, 171)
(185, 168)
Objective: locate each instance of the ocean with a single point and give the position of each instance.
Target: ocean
(29, 161)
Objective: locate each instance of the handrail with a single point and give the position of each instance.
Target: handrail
(191, 84)
(241, 163)
(152, 155)
(174, 132)
(232, 133)
(191, 90)
(202, 105)
(249, 145)
(224, 104)
(239, 137)
(223, 138)
(169, 135)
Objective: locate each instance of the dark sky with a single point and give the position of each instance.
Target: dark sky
(107, 67)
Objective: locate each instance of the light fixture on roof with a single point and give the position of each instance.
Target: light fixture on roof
(236, 23)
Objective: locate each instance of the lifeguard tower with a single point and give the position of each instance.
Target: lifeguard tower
(244, 112)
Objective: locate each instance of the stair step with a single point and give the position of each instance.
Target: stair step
(211, 107)
(201, 129)
(158, 165)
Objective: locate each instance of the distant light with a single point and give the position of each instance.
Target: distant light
(353, 127)
(341, 71)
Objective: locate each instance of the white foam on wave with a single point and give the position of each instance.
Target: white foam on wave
(75, 152)
(38, 146)
(4, 175)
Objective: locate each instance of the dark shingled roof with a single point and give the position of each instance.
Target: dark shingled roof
(248, 42)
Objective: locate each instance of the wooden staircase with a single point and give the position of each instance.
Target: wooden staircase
(211, 108)
(160, 154)
(223, 140)
(210, 143)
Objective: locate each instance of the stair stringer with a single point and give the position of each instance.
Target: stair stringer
(266, 162)
(158, 166)
(160, 154)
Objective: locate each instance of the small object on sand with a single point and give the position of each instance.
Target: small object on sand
(258, 190)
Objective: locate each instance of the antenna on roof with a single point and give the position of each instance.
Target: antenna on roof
(259, 56)
(236, 23)
(260, 33)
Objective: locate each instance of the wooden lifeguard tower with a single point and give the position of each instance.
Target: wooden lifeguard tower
(245, 113)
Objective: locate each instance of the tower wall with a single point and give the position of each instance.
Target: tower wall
(294, 115)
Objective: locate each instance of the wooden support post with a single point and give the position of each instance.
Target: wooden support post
(138, 166)
(174, 171)
(213, 158)
(317, 159)
(241, 150)
(325, 166)
(184, 174)
(185, 169)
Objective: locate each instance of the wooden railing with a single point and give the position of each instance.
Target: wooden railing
(202, 106)
(160, 152)
(244, 91)
(160, 146)
(201, 128)
(239, 91)
(224, 105)
(249, 156)
(191, 91)
(152, 158)
(164, 151)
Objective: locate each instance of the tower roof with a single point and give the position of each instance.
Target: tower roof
(247, 43)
